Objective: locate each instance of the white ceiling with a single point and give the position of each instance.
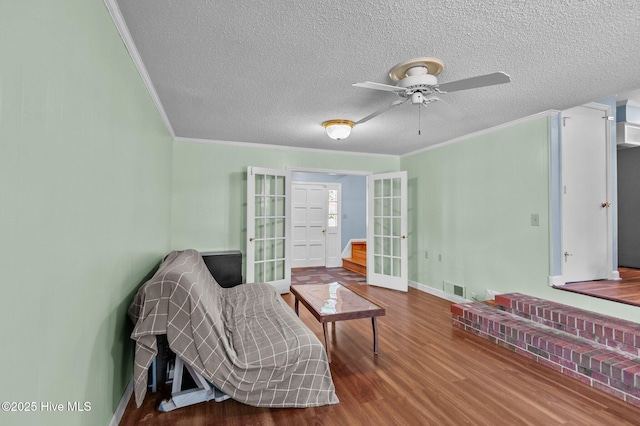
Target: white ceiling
(271, 71)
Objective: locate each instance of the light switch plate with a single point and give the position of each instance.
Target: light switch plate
(535, 219)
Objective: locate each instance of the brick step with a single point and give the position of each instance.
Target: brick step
(610, 331)
(606, 368)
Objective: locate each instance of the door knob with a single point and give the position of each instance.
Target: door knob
(606, 204)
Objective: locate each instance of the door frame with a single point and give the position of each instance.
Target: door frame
(327, 186)
(363, 173)
(291, 169)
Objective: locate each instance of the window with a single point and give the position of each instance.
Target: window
(332, 209)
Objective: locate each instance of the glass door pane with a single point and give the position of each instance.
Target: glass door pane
(387, 230)
(267, 222)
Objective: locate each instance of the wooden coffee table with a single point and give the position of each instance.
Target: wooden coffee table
(336, 302)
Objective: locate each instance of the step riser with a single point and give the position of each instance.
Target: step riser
(592, 363)
(354, 267)
(613, 332)
(358, 261)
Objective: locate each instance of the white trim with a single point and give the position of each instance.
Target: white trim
(489, 130)
(438, 293)
(123, 30)
(122, 405)
(627, 102)
(281, 147)
(346, 253)
(556, 281)
(549, 113)
(121, 25)
(328, 171)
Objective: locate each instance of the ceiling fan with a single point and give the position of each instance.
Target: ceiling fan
(417, 82)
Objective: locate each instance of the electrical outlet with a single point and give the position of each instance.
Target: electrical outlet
(426, 254)
(439, 258)
(490, 294)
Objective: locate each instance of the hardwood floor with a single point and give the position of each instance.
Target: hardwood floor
(626, 290)
(427, 372)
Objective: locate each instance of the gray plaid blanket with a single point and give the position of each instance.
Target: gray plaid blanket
(245, 340)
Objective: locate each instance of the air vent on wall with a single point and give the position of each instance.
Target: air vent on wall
(455, 289)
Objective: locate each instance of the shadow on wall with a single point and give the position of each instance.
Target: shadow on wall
(628, 207)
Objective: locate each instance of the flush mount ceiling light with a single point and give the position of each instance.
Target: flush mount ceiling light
(338, 129)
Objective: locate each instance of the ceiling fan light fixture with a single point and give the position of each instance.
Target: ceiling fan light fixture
(417, 66)
(338, 129)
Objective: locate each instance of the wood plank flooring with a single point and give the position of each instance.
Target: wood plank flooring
(427, 373)
(626, 290)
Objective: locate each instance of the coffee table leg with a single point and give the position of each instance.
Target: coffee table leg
(326, 341)
(375, 335)
(296, 304)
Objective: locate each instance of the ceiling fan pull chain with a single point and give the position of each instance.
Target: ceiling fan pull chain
(419, 120)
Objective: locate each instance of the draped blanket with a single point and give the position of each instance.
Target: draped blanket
(245, 340)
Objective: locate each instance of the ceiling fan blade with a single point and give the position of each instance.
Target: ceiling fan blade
(381, 110)
(474, 82)
(379, 86)
(443, 109)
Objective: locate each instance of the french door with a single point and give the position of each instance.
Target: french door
(268, 204)
(387, 231)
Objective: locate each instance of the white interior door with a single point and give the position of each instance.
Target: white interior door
(308, 221)
(387, 231)
(268, 231)
(585, 200)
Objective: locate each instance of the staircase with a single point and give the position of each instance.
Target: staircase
(598, 350)
(358, 261)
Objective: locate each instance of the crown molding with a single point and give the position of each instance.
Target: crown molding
(282, 147)
(628, 102)
(548, 114)
(123, 30)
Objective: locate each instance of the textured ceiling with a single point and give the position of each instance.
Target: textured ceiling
(271, 71)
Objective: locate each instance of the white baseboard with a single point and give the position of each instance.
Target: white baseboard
(122, 405)
(556, 281)
(438, 293)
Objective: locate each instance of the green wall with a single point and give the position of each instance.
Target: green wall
(85, 190)
(470, 207)
(90, 205)
(210, 180)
